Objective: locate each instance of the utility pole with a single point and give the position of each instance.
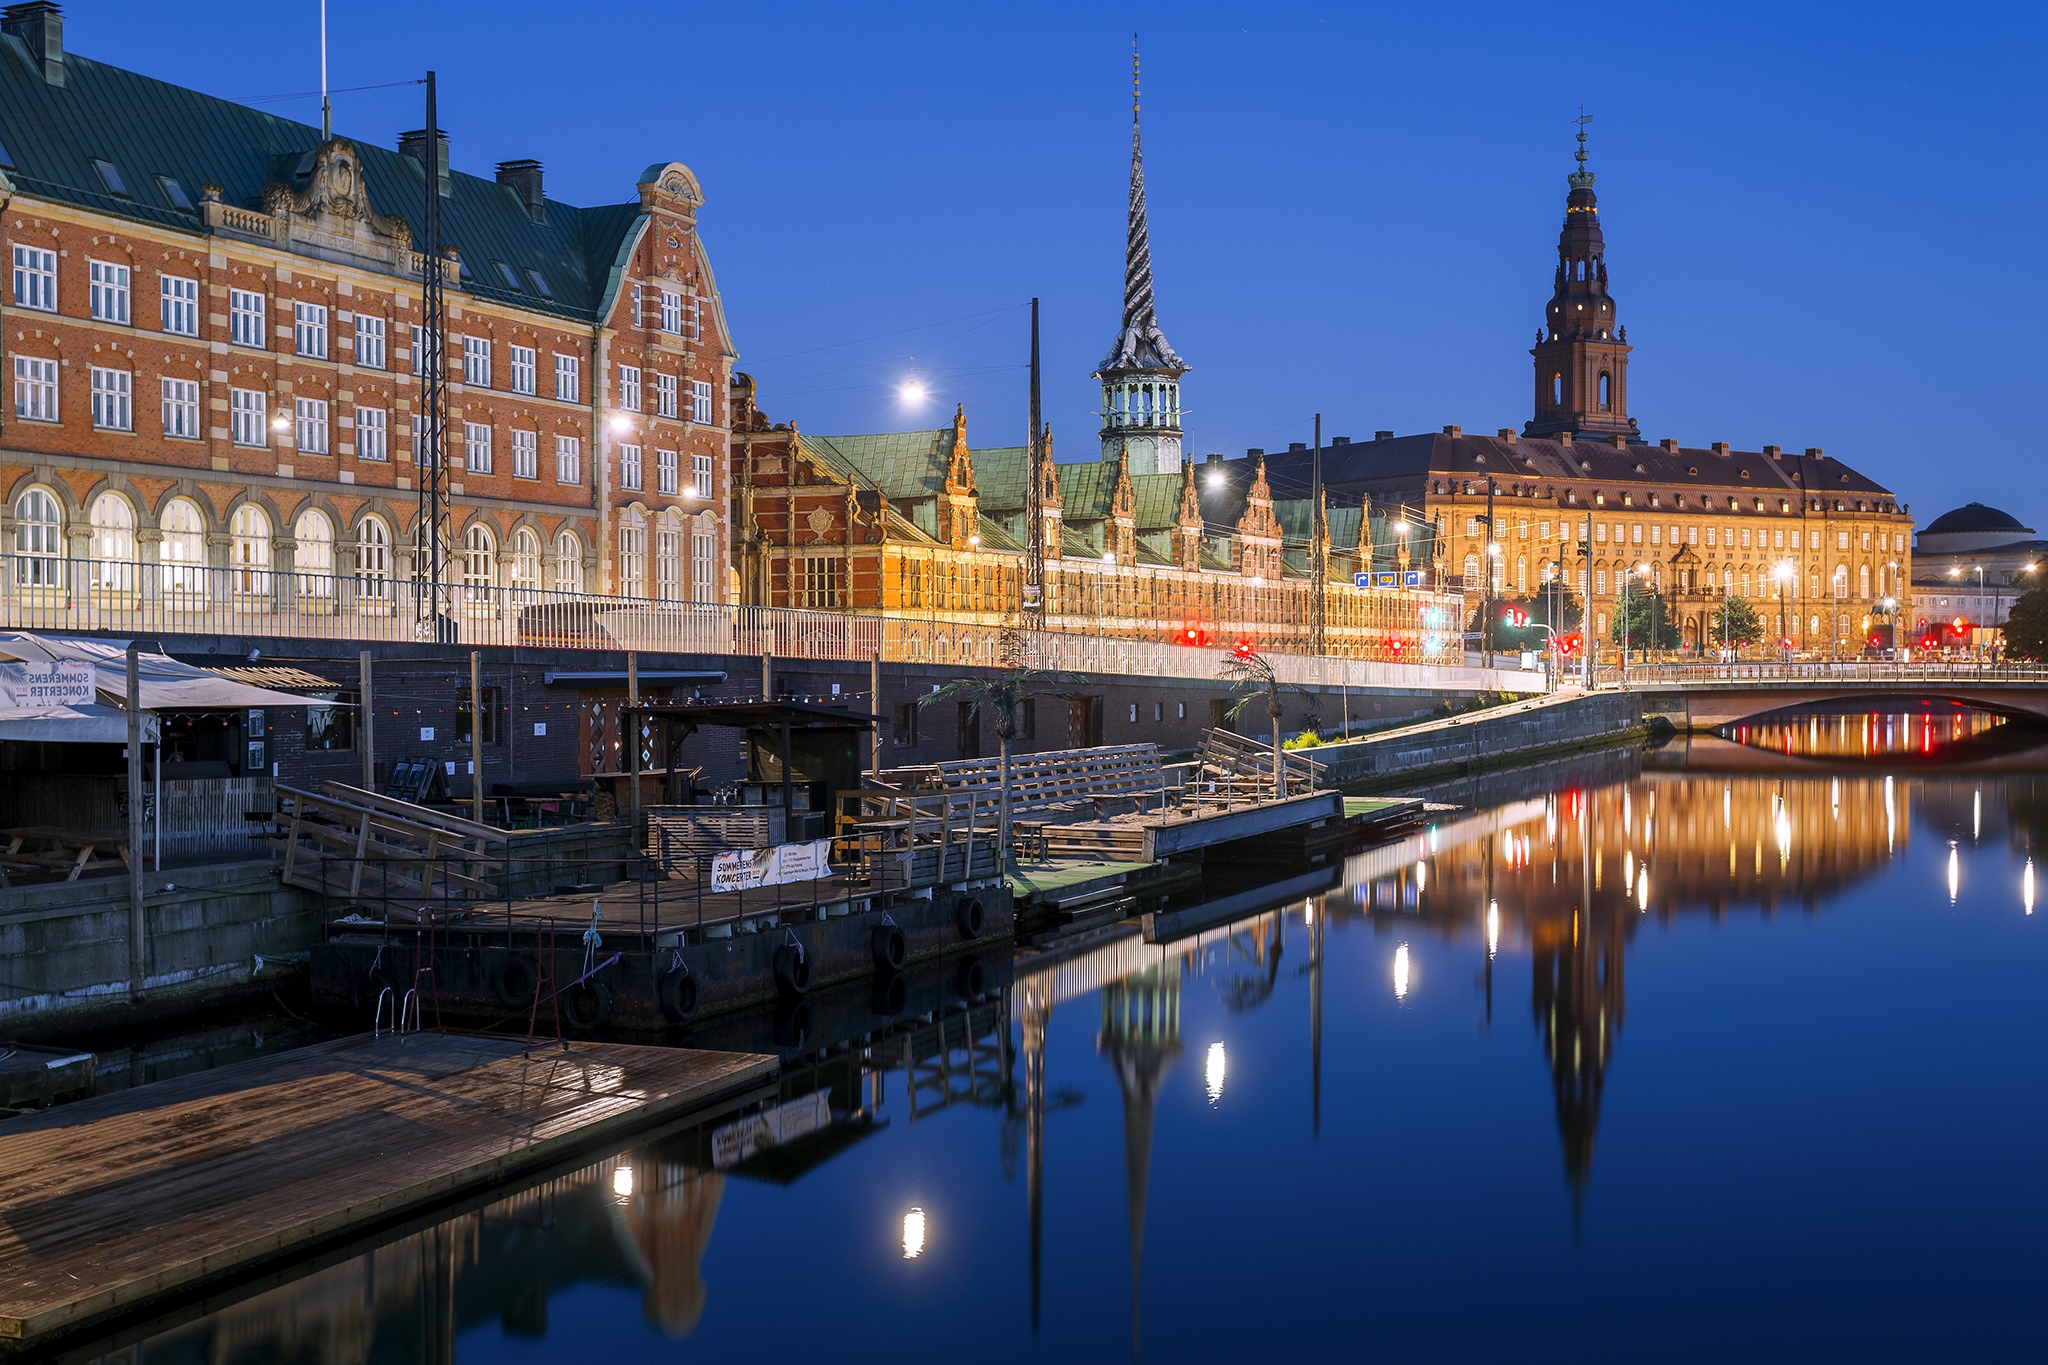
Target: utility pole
(1486, 570)
(430, 422)
(1034, 503)
(1317, 550)
(1586, 602)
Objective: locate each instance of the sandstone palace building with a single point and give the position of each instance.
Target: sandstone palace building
(212, 330)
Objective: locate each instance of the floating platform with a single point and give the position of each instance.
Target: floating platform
(32, 1077)
(119, 1200)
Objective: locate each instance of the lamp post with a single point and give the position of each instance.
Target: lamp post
(1977, 631)
(1783, 574)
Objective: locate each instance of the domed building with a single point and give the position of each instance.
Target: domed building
(1968, 566)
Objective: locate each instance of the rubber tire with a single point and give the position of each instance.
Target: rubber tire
(891, 993)
(677, 992)
(972, 980)
(890, 948)
(587, 1004)
(971, 917)
(513, 977)
(792, 971)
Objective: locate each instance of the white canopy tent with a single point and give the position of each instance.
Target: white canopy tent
(166, 684)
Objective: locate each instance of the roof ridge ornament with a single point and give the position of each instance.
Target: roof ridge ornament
(1582, 179)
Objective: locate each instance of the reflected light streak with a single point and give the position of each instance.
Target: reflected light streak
(1955, 872)
(1976, 814)
(1643, 890)
(1421, 875)
(1213, 1069)
(2027, 886)
(1401, 972)
(622, 1181)
(913, 1234)
(1493, 916)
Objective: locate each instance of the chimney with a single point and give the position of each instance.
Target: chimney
(1297, 445)
(1506, 434)
(1720, 448)
(1340, 440)
(1774, 452)
(1813, 453)
(1383, 435)
(1564, 438)
(1669, 445)
(523, 178)
(1216, 459)
(1454, 431)
(1620, 441)
(1253, 452)
(40, 26)
(414, 145)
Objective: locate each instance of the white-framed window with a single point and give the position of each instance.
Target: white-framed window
(700, 401)
(632, 554)
(665, 471)
(314, 558)
(245, 318)
(109, 291)
(1841, 540)
(369, 342)
(568, 460)
(373, 558)
(113, 542)
(629, 468)
(568, 563)
(476, 447)
(665, 395)
(373, 435)
(702, 567)
(181, 408)
(179, 298)
(419, 349)
(696, 318)
(700, 475)
(671, 312)
(112, 405)
(476, 362)
(249, 417)
(309, 329)
(668, 563)
(183, 551)
(525, 565)
(629, 387)
(479, 557)
(525, 454)
(523, 370)
(309, 425)
(38, 538)
(568, 379)
(35, 279)
(35, 389)
(249, 549)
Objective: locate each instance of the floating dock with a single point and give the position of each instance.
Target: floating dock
(116, 1201)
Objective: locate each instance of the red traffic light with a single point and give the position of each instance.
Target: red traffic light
(1244, 648)
(1192, 636)
(1569, 644)
(1394, 645)
(1960, 625)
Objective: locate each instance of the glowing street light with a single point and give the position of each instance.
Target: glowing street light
(913, 1234)
(1215, 480)
(1213, 1068)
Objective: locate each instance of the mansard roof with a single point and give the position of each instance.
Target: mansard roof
(147, 128)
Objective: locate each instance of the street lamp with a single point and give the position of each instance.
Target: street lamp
(1783, 573)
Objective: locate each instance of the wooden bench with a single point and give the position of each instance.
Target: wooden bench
(346, 831)
(1105, 775)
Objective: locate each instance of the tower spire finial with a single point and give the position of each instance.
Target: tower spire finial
(1582, 178)
(1134, 80)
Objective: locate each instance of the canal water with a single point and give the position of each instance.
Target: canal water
(1737, 1048)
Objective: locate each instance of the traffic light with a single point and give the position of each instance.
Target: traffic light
(1514, 616)
(1395, 645)
(1568, 645)
(1244, 648)
(1192, 636)
(1961, 626)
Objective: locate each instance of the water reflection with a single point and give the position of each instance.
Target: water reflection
(1933, 732)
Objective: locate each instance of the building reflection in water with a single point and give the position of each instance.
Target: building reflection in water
(1571, 876)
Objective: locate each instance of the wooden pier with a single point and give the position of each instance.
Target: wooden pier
(112, 1202)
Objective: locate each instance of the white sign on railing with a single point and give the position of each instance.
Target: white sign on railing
(35, 685)
(743, 869)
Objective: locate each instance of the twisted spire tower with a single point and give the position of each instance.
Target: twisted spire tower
(1141, 375)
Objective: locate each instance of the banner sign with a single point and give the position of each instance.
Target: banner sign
(772, 1127)
(743, 869)
(36, 685)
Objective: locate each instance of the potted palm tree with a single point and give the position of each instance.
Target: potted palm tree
(1248, 671)
(1004, 694)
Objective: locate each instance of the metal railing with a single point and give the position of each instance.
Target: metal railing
(1822, 672)
(73, 596)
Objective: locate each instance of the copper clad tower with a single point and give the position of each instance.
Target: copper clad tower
(1581, 351)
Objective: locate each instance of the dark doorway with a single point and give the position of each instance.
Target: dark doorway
(1219, 714)
(970, 731)
(1084, 722)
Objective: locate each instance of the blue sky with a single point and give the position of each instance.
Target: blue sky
(1822, 222)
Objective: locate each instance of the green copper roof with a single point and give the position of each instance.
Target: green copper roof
(146, 129)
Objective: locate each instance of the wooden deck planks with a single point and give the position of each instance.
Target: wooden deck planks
(111, 1201)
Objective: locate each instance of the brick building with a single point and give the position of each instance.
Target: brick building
(212, 334)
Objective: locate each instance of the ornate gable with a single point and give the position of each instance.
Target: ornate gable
(325, 212)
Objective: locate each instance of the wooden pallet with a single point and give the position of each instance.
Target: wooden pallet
(349, 841)
(1111, 772)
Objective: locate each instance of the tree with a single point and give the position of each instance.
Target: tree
(1743, 626)
(1648, 621)
(2026, 626)
(1249, 672)
(1004, 694)
(1536, 609)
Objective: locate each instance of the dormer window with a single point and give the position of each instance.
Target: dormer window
(115, 185)
(1628, 500)
(1693, 470)
(1599, 499)
(1744, 474)
(1653, 499)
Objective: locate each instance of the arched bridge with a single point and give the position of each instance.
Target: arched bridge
(1708, 696)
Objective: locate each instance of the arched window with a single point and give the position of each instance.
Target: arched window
(315, 560)
(632, 553)
(183, 551)
(479, 555)
(1521, 573)
(373, 558)
(1863, 582)
(1606, 393)
(1557, 390)
(38, 538)
(1471, 572)
(249, 548)
(1841, 580)
(568, 562)
(525, 563)
(113, 543)
(668, 559)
